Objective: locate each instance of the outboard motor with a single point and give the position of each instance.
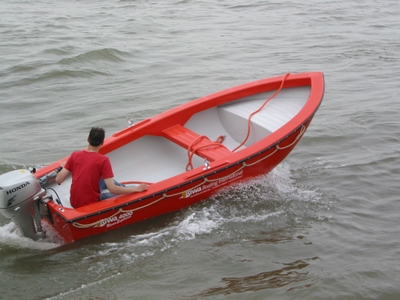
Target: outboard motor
(20, 192)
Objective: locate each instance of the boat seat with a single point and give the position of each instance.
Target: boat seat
(184, 137)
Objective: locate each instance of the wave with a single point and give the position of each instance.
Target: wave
(95, 56)
(86, 65)
(30, 74)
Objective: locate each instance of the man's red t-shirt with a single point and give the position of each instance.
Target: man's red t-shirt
(87, 168)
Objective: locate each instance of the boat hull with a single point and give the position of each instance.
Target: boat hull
(188, 192)
(183, 189)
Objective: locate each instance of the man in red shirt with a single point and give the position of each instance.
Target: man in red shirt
(87, 168)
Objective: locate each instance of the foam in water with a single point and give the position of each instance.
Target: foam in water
(10, 236)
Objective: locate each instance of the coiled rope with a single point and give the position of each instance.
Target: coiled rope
(192, 149)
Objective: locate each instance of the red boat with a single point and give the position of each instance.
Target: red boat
(185, 154)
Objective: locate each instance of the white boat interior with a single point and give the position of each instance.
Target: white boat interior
(156, 158)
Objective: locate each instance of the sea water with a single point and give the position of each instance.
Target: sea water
(323, 225)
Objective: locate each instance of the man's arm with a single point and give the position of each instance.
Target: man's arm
(116, 189)
(62, 175)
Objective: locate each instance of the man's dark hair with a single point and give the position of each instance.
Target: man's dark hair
(96, 136)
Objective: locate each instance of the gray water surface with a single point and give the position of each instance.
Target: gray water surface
(323, 225)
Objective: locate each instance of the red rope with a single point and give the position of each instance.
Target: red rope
(192, 150)
(258, 110)
(218, 143)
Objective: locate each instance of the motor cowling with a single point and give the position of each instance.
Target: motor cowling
(19, 192)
